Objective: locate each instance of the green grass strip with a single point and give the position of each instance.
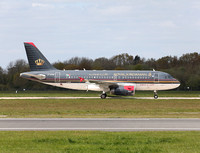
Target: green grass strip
(133, 108)
(104, 142)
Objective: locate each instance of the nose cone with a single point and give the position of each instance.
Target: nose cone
(177, 83)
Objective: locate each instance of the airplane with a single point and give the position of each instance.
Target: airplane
(123, 83)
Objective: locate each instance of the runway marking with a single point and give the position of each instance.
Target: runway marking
(100, 129)
(10, 98)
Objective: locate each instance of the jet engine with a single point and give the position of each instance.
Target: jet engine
(123, 90)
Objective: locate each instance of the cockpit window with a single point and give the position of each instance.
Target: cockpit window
(169, 77)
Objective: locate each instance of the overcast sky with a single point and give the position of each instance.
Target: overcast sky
(62, 29)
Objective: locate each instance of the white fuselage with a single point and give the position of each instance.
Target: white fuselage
(96, 87)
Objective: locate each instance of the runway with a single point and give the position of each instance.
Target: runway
(97, 98)
(99, 124)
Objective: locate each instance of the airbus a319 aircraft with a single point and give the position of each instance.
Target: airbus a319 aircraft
(116, 82)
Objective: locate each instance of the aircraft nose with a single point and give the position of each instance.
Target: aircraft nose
(178, 83)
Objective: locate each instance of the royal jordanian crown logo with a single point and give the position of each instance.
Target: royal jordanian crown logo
(39, 62)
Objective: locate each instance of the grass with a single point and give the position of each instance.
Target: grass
(90, 108)
(104, 142)
(71, 93)
(67, 93)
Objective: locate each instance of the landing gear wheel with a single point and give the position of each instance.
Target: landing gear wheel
(155, 96)
(103, 96)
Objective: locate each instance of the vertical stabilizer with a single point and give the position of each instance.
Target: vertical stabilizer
(36, 59)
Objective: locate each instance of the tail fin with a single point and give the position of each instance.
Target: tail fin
(36, 59)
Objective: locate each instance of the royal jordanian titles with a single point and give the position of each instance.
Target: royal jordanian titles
(116, 82)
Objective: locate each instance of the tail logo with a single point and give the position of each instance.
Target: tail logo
(39, 62)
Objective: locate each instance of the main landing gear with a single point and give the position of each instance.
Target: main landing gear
(155, 94)
(103, 95)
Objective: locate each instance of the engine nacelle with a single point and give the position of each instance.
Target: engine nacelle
(123, 90)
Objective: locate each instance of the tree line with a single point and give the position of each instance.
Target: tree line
(185, 68)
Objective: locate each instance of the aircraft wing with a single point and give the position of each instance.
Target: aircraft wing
(103, 84)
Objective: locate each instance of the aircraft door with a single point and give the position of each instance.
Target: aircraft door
(57, 77)
(115, 77)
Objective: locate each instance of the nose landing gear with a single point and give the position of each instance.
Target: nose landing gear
(155, 94)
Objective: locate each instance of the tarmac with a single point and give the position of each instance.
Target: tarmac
(99, 124)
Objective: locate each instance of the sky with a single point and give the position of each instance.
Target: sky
(62, 29)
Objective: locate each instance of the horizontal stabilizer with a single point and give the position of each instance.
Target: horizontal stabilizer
(37, 76)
